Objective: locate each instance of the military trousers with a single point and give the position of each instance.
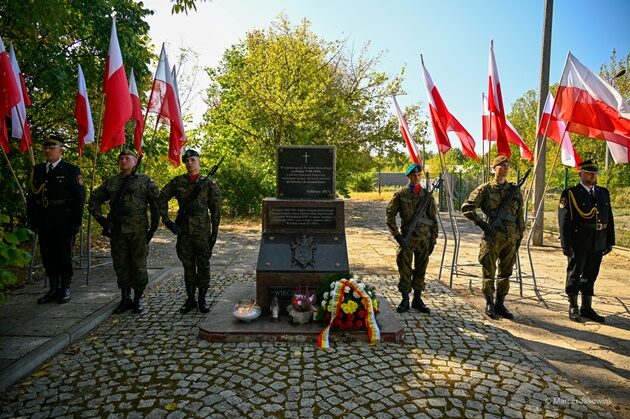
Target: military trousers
(502, 251)
(582, 272)
(55, 246)
(194, 253)
(418, 254)
(129, 255)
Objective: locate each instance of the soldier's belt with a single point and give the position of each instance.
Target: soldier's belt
(596, 226)
(425, 221)
(50, 202)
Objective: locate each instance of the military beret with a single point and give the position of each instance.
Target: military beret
(413, 168)
(499, 160)
(53, 140)
(189, 153)
(588, 166)
(127, 152)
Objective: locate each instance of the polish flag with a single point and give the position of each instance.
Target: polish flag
(591, 106)
(163, 101)
(9, 95)
(117, 98)
(443, 121)
(412, 147)
(619, 153)
(83, 114)
(489, 127)
(495, 105)
(19, 122)
(136, 114)
(557, 131)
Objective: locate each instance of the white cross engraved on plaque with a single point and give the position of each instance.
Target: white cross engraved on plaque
(306, 156)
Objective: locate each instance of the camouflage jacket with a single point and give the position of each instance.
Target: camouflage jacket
(193, 217)
(141, 193)
(404, 202)
(488, 198)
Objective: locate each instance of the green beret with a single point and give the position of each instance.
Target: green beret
(127, 152)
(499, 160)
(413, 168)
(588, 166)
(53, 140)
(189, 153)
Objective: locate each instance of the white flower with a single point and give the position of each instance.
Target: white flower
(326, 294)
(324, 303)
(333, 285)
(346, 290)
(361, 286)
(355, 295)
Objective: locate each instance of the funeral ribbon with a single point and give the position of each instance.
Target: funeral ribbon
(337, 296)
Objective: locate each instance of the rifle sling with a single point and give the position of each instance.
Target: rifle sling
(184, 209)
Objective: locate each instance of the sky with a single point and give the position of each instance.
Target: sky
(453, 36)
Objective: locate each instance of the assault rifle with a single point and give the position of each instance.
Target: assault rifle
(500, 216)
(116, 205)
(418, 216)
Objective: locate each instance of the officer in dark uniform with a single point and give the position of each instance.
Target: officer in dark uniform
(54, 211)
(421, 243)
(587, 233)
(196, 226)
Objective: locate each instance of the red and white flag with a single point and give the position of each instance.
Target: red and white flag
(164, 102)
(443, 121)
(117, 99)
(557, 131)
(495, 105)
(9, 95)
(619, 153)
(19, 122)
(489, 127)
(412, 147)
(136, 113)
(591, 106)
(83, 114)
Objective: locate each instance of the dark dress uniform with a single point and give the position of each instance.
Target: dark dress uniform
(54, 210)
(587, 232)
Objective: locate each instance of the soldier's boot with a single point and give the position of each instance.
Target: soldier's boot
(490, 310)
(418, 304)
(64, 290)
(126, 303)
(587, 310)
(190, 299)
(138, 307)
(52, 293)
(403, 307)
(574, 313)
(203, 306)
(500, 308)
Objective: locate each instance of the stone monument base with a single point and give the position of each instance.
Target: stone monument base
(221, 326)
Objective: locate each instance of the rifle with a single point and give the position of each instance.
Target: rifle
(420, 210)
(193, 195)
(499, 217)
(116, 204)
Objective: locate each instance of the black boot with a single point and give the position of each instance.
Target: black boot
(500, 308)
(403, 307)
(418, 304)
(587, 310)
(138, 307)
(64, 289)
(203, 306)
(190, 300)
(52, 293)
(574, 313)
(125, 301)
(490, 312)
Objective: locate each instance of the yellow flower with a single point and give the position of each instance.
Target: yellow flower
(349, 307)
(375, 304)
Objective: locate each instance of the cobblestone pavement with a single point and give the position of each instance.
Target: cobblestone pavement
(454, 363)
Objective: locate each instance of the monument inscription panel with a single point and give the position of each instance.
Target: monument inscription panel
(305, 172)
(303, 217)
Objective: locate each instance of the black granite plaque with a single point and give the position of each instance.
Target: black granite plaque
(305, 172)
(302, 217)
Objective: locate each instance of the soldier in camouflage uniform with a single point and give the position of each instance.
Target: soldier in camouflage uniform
(196, 231)
(404, 202)
(129, 194)
(507, 238)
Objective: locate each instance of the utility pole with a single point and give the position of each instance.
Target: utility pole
(541, 142)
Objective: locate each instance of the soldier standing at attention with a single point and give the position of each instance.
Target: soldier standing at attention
(196, 230)
(500, 245)
(129, 194)
(421, 243)
(54, 212)
(587, 233)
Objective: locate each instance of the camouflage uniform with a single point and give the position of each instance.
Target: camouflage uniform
(198, 230)
(422, 242)
(131, 226)
(503, 248)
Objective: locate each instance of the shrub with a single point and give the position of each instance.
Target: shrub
(11, 255)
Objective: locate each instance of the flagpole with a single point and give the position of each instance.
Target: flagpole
(14, 176)
(483, 149)
(449, 204)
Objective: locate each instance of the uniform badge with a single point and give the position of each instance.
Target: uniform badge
(80, 180)
(563, 202)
